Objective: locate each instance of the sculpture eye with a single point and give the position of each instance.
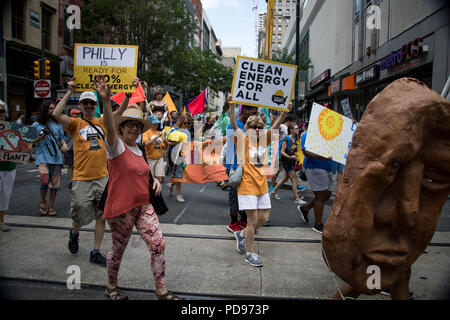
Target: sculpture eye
(435, 179)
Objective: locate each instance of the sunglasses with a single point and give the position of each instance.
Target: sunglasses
(86, 102)
(255, 127)
(2, 111)
(131, 125)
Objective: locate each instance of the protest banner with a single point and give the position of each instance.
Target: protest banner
(329, 133)
(346, 108)
(16, 142)
(118, 63)
(263, 83)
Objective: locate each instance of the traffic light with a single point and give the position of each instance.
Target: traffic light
(47, 69)
(37, 69)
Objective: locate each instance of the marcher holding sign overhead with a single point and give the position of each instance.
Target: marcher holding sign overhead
(253, 190)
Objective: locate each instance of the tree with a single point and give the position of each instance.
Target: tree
(164, 31)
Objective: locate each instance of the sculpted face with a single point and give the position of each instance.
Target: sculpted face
(396, 181)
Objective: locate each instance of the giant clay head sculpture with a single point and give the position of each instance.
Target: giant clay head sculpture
(396, 181)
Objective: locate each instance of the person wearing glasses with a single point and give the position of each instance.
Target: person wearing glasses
(253, 191)
(49, 158)
(7, 177)
(90, 173)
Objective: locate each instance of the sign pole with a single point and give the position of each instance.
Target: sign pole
(297, 54)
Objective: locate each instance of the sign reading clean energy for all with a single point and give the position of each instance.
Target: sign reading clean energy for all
(118, 64)
(329, 133)
(263, 83)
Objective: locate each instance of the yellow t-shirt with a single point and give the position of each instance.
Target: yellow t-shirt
(254, 180)
(152, 151)
(88, 149)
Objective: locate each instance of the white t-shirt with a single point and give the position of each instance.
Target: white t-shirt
(283, 131)
(119, 148)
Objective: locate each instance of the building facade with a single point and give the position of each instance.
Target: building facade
(358, 47)
(30, 33)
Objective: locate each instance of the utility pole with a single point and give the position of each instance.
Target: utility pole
(297, 53)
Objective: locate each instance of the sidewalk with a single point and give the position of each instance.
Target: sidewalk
(202, 265)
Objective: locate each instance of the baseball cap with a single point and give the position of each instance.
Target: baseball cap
(153, 119)
(74, 111)
(88, 95)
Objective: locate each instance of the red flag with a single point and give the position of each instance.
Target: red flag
(137, 96)
(198, 104)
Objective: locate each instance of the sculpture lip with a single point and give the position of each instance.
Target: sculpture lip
(388, 256)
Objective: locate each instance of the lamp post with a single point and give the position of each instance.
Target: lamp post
(297, 53)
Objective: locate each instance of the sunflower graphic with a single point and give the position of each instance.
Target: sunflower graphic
(330, 124)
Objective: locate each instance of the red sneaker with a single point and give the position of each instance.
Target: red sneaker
(242, 224)
(233, 227)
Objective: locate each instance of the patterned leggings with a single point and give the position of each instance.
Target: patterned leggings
(147, 224)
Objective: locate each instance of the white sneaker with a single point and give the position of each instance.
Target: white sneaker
(300, 202)
(275, 196)
(180, 199)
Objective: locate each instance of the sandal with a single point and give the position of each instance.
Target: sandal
(167, 296)
(115, 294)
(51, 212)
(42, 210)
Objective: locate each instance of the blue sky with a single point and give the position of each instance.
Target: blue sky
(233, 22)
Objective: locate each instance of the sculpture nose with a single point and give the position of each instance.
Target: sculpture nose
(408, 199)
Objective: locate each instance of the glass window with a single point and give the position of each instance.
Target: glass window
(288, 3)
(46, 28)
(17, 19)
(357, 11)
(280, 12)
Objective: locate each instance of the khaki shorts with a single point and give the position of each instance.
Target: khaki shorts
(157, 167)
(85, 198)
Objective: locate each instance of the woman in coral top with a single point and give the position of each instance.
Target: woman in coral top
(253, 191)
(128, 201)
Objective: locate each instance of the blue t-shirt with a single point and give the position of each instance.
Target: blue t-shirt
(47, 151)
(313, 163)
(231, 148)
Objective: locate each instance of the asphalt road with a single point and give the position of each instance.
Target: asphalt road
(206, 204)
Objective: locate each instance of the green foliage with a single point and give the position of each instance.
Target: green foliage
(282, 55)
(164, 31)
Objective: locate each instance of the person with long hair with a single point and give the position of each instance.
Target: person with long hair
(288, 152)
(128, 201)
(253, 190)
(49, 147)
(176, 137)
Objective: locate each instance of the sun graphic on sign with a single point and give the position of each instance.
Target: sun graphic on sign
(330, 124)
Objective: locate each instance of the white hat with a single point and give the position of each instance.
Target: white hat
(88, 95)
(133, 115)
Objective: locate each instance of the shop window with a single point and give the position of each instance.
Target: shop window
(17, 19)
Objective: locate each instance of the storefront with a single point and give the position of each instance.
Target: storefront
(318, 92)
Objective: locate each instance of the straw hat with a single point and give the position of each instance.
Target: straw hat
(134, 115)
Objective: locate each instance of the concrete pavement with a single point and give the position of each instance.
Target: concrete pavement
(203, 259)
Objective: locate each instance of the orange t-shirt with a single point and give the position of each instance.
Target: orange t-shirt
(152, 151)
(88, 149)
(254, 180)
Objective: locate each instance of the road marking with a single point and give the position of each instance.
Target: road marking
(179, 216)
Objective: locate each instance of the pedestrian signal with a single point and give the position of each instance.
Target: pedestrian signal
(47, 69)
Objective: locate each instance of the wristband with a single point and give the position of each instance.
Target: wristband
(128, 94)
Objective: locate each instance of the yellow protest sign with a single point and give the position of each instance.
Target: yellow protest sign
(118, 63)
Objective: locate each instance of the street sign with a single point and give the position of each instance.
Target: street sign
(42, 88)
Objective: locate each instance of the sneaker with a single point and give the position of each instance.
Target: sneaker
(242, 224)
(180, 198)
(303, 213)
(300, 202)
(240, 241)
(301, 188)
(253, 259)
(98, 259)
(388, 293)
(275, 196)
(234, 227)
(4, 227)
(266, 224)
(318, 228)
(73, 242)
